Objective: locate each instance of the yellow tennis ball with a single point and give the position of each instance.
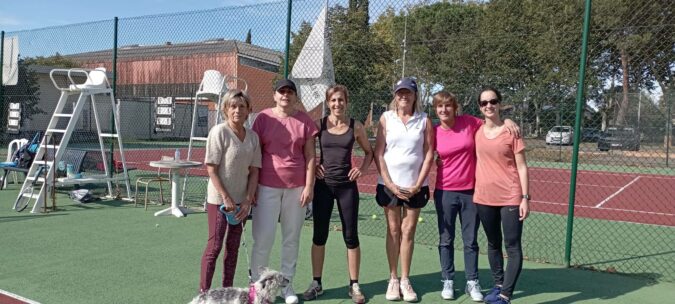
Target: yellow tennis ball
(420, 219)
(374, 216)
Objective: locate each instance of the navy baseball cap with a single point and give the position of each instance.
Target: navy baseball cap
(285, 83)
(406, 83)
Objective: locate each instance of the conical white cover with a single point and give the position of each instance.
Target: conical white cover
(313, 71)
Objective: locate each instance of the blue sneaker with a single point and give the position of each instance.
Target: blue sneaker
(493, 295)
(499, 300)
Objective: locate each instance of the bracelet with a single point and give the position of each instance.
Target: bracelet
(526, 196)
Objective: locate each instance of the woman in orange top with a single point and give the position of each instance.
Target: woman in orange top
(501, 195)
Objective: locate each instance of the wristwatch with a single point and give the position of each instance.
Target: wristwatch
(526, 196)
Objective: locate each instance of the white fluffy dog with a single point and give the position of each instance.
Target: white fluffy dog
(263, 291)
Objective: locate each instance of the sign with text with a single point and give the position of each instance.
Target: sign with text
(164, 114)
(14, 118)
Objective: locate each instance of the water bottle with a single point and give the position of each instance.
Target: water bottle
(176, 155)
(70, 171)
(230, 216)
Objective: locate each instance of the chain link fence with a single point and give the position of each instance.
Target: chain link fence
(624, 210)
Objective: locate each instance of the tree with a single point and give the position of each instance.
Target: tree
(637, 46)
(528, 49)
(26, 92)
(56, 60)
(532, 51)
(27, 89)
(355, 55)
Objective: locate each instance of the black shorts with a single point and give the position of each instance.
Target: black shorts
(385, 198)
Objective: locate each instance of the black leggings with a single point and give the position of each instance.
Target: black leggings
(347, 196)
(493, 220)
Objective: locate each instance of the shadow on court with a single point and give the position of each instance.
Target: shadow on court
(544, 285)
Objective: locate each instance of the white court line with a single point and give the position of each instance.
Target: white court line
(620, 174)
(18, 297)
(567, 183)
(606, 208)
(617, 192)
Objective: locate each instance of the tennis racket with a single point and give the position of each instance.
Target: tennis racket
(26, 194)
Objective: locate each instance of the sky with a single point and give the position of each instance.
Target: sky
(48, 27)
(18, 15)
(44, 28)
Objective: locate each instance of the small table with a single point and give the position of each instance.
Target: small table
(174, 166)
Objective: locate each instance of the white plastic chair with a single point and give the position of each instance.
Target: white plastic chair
(96, 79)
(212, 83)
(11, 148)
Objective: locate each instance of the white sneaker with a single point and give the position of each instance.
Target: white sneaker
(409, 294)
(289, 294)
(448, 292)
(393, 290)
(473, 290)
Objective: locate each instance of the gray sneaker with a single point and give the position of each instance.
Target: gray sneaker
(313, 291)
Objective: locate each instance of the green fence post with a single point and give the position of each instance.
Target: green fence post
(2, 85)
(669, 126)
(288, 37)
(114, 89)
(577, 131)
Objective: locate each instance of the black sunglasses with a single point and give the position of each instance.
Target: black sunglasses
(491, 101)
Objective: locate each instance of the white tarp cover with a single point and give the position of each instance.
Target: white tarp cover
(10, 61)
(313, 71)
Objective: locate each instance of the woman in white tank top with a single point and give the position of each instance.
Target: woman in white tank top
(403, 154)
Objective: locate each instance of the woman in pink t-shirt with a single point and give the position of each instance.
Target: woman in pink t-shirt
(286, 183)
(501, 194)
(453, 196)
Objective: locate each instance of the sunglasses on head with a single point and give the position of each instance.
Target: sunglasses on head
(491, 101)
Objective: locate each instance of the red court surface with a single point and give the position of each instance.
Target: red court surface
(7, 297)
(628, 197)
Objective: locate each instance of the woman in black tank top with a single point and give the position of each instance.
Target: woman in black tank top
(336, 181)
(336, 153)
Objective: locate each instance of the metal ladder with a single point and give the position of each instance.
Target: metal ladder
(213, 84)
(96, 83)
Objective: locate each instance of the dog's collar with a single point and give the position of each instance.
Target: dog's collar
(251, 293)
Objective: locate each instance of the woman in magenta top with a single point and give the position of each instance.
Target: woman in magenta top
(453, 194)
(286, 183)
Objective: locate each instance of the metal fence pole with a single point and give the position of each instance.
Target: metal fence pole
(288, 37)
(2, 84)
(577, 131)
(669, 127)
(114, 89)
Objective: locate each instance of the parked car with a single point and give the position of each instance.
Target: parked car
(560, 135)
(590, 135)
(619, 138)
